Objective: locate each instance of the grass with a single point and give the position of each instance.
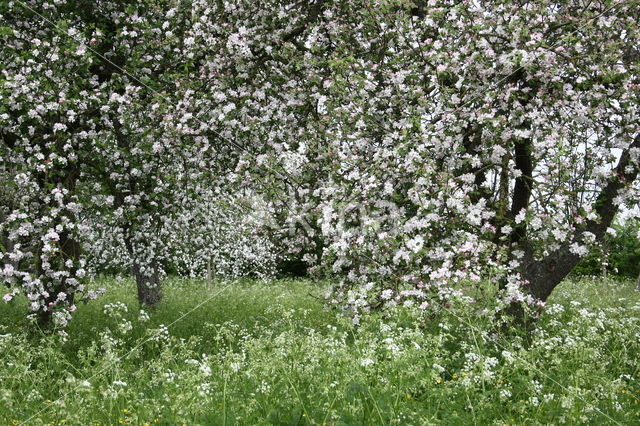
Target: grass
(268, 353)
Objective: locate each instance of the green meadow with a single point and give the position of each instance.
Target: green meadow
(252, 353)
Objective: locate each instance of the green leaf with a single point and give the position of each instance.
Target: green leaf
(62, 25)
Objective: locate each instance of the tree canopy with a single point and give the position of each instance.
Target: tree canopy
(411, 149)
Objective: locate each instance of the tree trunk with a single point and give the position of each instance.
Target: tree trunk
(147, 276)
(604, 260)
(209, 273)
(44, 319)
(149, 285)
(545, 274)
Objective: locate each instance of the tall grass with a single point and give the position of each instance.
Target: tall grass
(268, 353)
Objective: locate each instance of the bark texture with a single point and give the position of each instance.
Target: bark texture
(147, 278)
(148, 285)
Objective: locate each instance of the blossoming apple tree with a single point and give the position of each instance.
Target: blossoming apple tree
(412, 147)
(475, 140)
(95, 120)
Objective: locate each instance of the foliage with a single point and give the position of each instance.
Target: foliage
(256, 354)
(104, 134)
(410, 150)
(621, 253)
(468, 141)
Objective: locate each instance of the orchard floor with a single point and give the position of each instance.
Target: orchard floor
(267, 353)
